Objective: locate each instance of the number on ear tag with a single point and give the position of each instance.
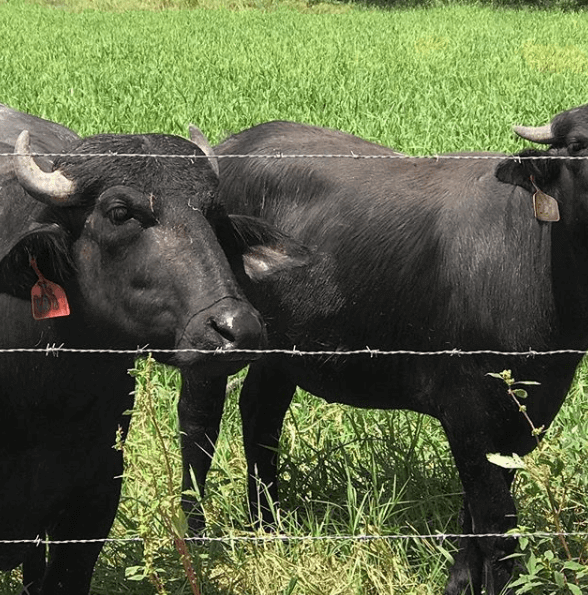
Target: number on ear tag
(48, 300)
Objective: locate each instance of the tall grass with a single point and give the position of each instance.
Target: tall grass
(424, 81)
(344, 472)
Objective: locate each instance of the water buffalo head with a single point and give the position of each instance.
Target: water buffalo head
(130, 226)
(564, 179)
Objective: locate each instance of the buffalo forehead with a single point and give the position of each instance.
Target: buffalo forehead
(168, 183)
(6, 163)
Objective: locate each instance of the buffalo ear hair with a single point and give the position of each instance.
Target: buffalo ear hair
(519, 172)
(258, 249)
(50, 245)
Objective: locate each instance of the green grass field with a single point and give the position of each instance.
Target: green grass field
(423, 80)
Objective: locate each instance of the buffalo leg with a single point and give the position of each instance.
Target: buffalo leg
(469, 560)
(490, 510)
(89, 515)
(265, 398)
(199, 410)
(468, 568)
(33, 570)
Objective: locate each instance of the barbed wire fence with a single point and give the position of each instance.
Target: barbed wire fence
(56, 350)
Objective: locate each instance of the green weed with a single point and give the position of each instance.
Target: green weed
(562, 565)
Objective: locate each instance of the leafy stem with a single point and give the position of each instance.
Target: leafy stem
(517, 394)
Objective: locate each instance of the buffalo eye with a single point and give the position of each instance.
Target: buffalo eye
(576, 146)
(118, 214)
(121, 205)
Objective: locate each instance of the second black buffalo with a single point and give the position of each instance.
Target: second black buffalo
(412, 254)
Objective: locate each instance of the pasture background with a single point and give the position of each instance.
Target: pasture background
(426, 81)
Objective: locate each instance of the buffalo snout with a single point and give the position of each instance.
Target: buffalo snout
(226, 327)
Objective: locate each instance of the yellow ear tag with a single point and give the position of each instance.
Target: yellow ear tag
(545, 206)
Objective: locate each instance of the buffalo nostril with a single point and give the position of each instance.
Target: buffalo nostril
(223, 328)
(240, 329)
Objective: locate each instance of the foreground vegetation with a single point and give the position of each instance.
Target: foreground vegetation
(345, 473)
(424, 81)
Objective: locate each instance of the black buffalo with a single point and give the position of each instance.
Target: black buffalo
(412, 254)
(47, 137)
(135, 243)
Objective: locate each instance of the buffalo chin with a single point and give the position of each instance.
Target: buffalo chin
(220, 363)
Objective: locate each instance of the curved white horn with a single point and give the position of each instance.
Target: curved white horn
(50, 188)
(540, 134)
(202, 143)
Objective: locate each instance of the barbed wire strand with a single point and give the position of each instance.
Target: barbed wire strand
(400, 156)
(57, 349)
(303, 538)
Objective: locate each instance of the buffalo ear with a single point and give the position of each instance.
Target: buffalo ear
(49, 244)
(258, 249)
(519, 171)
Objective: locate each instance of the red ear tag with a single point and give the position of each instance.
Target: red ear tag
(48, 299)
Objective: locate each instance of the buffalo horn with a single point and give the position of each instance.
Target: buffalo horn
(50, 188)
(541, 134)
(201, 142)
